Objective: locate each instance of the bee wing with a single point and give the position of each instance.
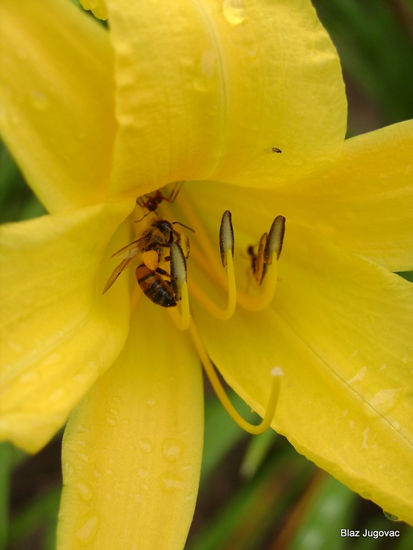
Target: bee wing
(130, 246)
(115, 273)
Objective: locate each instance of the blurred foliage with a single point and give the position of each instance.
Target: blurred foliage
(256, 493)
(374, 40)
(17, 202)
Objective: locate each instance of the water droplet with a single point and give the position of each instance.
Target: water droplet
(390, 516)
(142, 472)
(38, 100)
(52, 359)
(384, 400)
(150, 402)
(365, 445)
(88, 529)
(57, 395)
(111, 421)
(200, 85)
(359, 376)
(68, 470)
(28, 377)
(171, 449)
(171, 483)
(84, 490)
(234, 11)
(83, 457)
(145, 445)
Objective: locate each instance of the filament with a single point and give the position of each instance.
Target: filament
(210, 371)
(269, 285)
(210, 305)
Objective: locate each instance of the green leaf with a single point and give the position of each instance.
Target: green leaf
(6, 455)
(221, 432)
(253, 509)
(41, 512)
(331, 510)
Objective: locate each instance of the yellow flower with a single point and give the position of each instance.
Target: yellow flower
(202, 92)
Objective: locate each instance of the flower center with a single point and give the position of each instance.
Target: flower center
(161, 249)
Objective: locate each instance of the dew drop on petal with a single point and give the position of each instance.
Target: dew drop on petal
(145, 445)
(171, 483)
(234, 11)
(38, 100)
(172, 449)
(84, 491)
(57, 395)
(151, 402)
(87, 531)
(68, 470)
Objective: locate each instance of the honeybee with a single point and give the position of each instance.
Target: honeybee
(154, 245)
(151, 201)
(155, 286)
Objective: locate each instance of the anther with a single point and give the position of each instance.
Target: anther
(265, 266)
(180, 286)
(275, 239)
(226, 246)
(209, 368)
(226, 236)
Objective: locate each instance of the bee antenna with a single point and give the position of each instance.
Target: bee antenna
(140, 219)
(183, 225)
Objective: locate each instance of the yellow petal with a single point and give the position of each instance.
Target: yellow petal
(206, 89)
(56, 100)
(340, 328)
(57, 331)
(365, 203)
(132, 450)
(98, 8)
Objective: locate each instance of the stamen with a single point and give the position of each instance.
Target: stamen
(226, 245)
(272, 251)
(226, 236)
(275, 239)
(209, 368)
(180, 286)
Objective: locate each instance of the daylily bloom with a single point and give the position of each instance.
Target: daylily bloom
(204, 93)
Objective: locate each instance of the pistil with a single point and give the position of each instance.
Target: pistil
(210, 371)
(180, 285)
